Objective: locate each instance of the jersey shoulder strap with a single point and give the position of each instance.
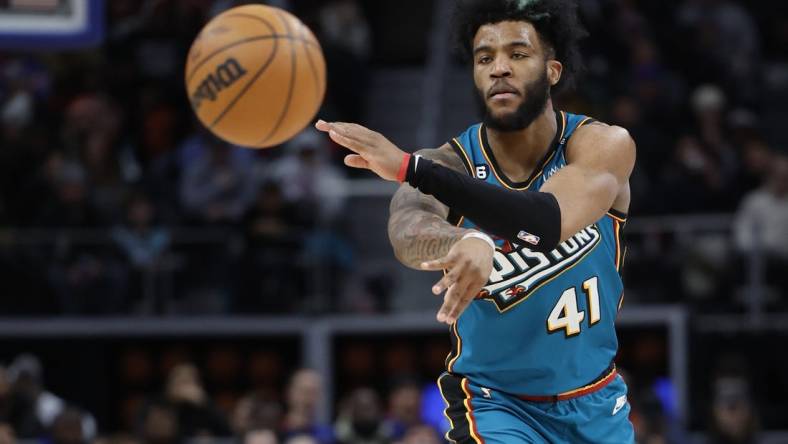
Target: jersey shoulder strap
(575, 121)
(465, 145)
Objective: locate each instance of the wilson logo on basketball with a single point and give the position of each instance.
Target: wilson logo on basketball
(225, 75)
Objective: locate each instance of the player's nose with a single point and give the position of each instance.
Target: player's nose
(501, 68)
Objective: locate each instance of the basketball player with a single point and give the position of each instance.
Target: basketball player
(524, 212)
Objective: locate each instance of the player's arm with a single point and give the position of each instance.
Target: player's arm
(418, 227)
(422, 238)
(600, 159)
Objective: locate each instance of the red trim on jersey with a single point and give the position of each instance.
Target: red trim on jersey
(576, 393)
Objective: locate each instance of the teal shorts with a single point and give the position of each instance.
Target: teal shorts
(479, 415)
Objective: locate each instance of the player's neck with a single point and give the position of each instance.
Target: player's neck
(518, 152)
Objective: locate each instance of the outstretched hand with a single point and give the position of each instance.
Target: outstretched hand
(468, 266)
(372, 151)
(469, 262)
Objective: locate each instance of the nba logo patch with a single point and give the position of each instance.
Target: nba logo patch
(481, 172)
(528, 237)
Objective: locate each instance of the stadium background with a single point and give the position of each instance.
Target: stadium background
(160, 286)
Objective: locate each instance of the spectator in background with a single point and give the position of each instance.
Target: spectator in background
(90, 135)
(756, 157)
(360, 420)
(34, 409)
(159, 424)
(318, 190)
(710, 107)
(275, 232)
(254, 413)
(17, 107)
(7, 435)
(345, 36)
(421, 435)
(217, 187)
(67, 428)
(310, 181)
(724, 39)
(23, 137)
(5, 395)
(260, 437)
(734, 420)
(196, 415)
(648, 418)
(761, 225)
(303, 395)
(79, 273)
(69, 205)
(301, 439)
(404, 412)
(652, 84)
(143, 243)
(689, 177)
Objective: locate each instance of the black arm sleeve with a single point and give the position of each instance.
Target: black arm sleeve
(530, 218)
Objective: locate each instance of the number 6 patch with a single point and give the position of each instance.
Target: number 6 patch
(481, 172)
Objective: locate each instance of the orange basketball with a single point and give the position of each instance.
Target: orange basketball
(255, 76)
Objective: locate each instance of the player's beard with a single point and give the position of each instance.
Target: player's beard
(536, 94)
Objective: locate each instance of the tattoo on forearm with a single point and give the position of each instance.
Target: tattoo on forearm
(422, 237)
(418, 229)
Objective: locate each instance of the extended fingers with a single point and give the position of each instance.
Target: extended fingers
(356, 161)
(454, 302)
(348, 131)
(447, 281)
(448, 301)
(464, 295)
(349, 143)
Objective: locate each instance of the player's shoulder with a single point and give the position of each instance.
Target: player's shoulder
(601, 139)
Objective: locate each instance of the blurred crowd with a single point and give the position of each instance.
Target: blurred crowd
(104, 139)
(700, 84)
(183, 411)
(409, 411)
(103, 163)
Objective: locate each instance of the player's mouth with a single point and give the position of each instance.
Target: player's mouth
(503, 91)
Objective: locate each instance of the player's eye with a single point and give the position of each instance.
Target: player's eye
(483, 60)
(518, 56)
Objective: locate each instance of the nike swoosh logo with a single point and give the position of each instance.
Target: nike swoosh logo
(620, 403)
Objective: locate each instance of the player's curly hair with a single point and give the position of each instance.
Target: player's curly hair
(556, 21)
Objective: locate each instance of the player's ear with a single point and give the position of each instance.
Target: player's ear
(554, 70)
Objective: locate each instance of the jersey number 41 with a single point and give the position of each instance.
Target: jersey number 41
(565, 315)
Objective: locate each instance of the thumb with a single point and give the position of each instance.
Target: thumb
(356, 161)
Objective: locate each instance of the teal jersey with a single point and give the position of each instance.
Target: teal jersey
(544, 323)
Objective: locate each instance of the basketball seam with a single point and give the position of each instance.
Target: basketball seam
(204, 60)
(248, 85)
(291, 86)
(311, 64)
